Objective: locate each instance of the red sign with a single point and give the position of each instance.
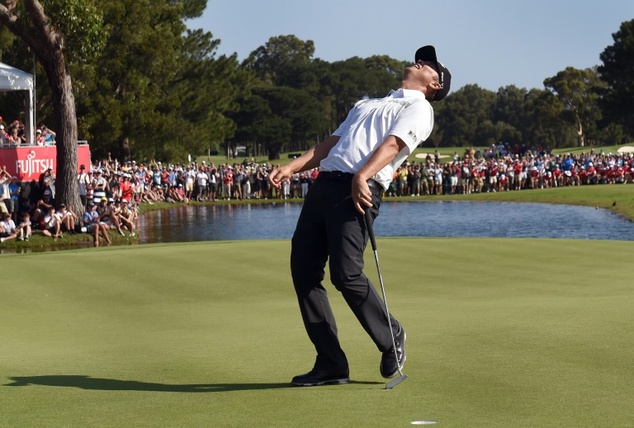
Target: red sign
(29, 162)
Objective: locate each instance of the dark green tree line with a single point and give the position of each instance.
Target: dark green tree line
(617, 71)
(148, 87)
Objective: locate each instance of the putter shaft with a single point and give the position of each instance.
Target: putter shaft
(368, 222)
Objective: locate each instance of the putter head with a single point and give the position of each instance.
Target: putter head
(391, 384)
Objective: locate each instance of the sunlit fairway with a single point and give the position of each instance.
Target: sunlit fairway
(501, 333)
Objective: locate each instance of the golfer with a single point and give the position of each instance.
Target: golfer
(356, 164)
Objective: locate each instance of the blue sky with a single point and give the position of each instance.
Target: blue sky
(491, 43)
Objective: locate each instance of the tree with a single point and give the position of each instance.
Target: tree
(460, 116)
(278, 118)
(356, 78)
(155, 90)
(288, 61)
(158, 90)
(578, 90)
(46, 36)
(281, 58)
(618, 72)
(545, 127)
(509, 114)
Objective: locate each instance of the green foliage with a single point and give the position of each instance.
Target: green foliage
(578, 90)
(617, 72)
(277, 118)
(81, 23)
(357, 78)
(280, 59)
(157, 86)
(461, 115)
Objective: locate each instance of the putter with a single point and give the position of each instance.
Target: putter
(368, 223)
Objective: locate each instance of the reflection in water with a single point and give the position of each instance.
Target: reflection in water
(438, 219)
(218, 222)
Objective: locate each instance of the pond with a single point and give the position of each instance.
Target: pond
(422, 219)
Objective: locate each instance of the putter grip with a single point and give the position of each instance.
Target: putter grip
(368, 224)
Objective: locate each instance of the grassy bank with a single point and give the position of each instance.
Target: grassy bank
(618, 198)
(501, 333)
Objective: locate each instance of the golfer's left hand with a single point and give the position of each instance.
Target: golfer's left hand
(361, 194)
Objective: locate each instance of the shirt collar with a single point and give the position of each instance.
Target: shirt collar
(406, 93)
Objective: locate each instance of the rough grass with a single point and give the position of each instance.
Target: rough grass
(501, 333)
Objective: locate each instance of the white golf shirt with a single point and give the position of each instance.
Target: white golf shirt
(404, 113)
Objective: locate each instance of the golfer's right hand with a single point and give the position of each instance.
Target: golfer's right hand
(278, 175)
(361, 194)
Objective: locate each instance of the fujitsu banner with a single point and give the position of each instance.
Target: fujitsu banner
(29, 162)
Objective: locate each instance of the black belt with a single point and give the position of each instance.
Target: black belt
(347, 176)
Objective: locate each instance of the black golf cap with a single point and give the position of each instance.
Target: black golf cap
(428, 53)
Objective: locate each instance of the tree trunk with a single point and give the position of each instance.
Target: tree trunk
(274, 154)
(66, 186)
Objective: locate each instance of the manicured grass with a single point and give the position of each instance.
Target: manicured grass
(618, 198)
(501, 333)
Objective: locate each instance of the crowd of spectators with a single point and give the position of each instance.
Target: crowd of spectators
(111, 192)
(157, 182)
(500, 169)
(15, 135)
(30, 207)
(496, 169)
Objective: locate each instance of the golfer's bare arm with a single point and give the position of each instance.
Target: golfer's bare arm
(383, 155)
(308, 160)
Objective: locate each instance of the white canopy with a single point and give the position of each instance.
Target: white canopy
(12, 79)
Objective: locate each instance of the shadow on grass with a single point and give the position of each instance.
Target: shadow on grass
(87, 382)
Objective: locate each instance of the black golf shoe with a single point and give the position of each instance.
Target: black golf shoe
(392, 362)
(317, 377)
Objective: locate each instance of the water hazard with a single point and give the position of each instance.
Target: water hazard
(421, 219)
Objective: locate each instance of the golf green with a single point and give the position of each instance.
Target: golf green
(501, 333)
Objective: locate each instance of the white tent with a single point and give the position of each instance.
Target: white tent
(12, 79)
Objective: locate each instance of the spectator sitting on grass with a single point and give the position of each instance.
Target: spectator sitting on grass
(24, 228)
(126, 217)
(108, 215)
(7, 228)
(94, 225)
(43, 206)
(68, 219)
(157, 194)
(51, 224)
(175, 194)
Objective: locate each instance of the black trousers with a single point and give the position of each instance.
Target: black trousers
(331, 230)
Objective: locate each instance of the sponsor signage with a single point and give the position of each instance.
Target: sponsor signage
(29, 162)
